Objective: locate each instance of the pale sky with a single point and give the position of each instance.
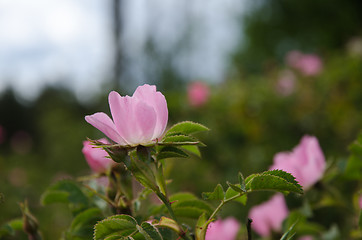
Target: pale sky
(46, 42)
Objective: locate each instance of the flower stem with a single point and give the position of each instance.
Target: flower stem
(222, 203)
(110, 202)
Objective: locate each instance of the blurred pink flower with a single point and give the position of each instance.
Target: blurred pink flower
(223, 229)
(139, 119)
(97, 157)
(269, 216)
(306, 238)
(198, 93)
(307, 64)
(286, 83)
(306, 162)
(360, 202)
(292, 58)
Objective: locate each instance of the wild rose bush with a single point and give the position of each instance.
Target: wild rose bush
(139, 150)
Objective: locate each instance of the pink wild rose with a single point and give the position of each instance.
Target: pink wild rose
(310, 64)
(97, 157)
(269, 216)
(307, 64)
(139, 119)
(198, 93)
(223, 229)
(306, 162)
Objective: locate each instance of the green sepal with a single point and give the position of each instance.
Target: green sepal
(186, 128)
(142, 172)
(116, 152)
(217, 194)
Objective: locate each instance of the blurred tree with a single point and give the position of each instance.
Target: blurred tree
(275, 27)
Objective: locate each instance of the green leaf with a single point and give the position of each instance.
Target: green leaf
(217, 194)
(55, 197)
(182, 196)
(66, 191)
(170, 224)
(232, 193)
(149, 231)
(180, 140)
(191, 208)
(186, 128)
(275, 180)
(235, 187)
(10, 227)
(192, 149)
(280, 173)
(171, 152)
(242, 182)
(354, 164)
(82, 224)
(360, 221)
(185, 205)
(115, 227)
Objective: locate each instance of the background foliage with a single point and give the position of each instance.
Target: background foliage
(249, 120)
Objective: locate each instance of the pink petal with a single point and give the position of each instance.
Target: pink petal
(103, 123)
(316, 163)
(157, 101)
(278, 212)
(135, 120)
(146, 121)
(97, 158)
(286, 161)
(259, 224)
(269, 216)
(223, 229)
(122, 113)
